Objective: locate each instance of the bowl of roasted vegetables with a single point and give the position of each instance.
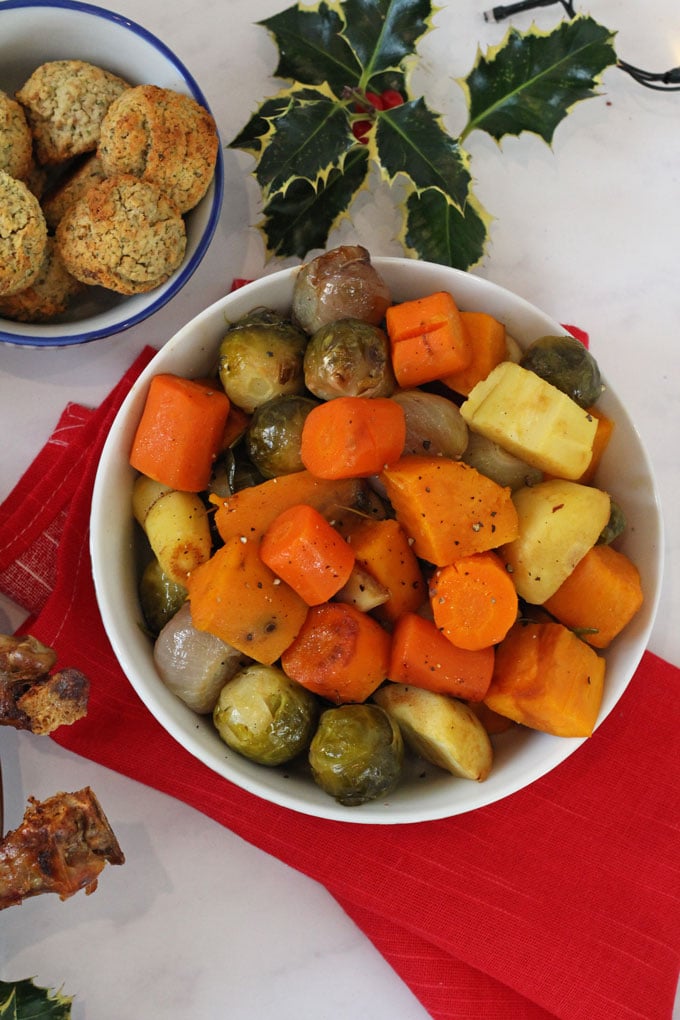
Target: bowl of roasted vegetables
(374, 540)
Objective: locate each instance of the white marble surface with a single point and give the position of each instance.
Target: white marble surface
(198, 922)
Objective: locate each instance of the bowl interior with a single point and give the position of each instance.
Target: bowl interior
(521, 756)
(33, 32)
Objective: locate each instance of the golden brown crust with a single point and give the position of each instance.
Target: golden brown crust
(16, 140)
(70, 188)
(123, 234)
(65, 101)
(60, 700)
(30, 697)
(48, 296)
(162, 136)
(61, 846)
(23, 235)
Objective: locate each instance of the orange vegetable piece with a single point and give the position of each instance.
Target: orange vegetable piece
(492, 722)
(600, 597)
(605, 428)
(352, 437)
(546, 678)
(180, 432)
(238, 421)
(473, 600)
(488, 348)
(235, 596)
(427, 338)
(340, 653)
(303, 549)
(448, 508)
(423, 657)
(383, 548)
(250, 511)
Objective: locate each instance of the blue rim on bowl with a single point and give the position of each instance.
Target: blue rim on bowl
(65, 334)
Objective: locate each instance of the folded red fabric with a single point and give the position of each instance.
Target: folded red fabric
(563, 900)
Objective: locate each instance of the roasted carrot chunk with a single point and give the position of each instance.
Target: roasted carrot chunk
(302, 548)
(180, 432)
(473, 599)
(422, 657)
(340, 653)
(352, 437)
(427, 338)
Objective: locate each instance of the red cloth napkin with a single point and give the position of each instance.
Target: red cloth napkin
(563, 900)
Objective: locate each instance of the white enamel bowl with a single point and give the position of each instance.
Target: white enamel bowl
(33, 32)
(521, 756)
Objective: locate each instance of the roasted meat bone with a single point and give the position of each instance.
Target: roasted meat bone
(61, 846)
(32, 698)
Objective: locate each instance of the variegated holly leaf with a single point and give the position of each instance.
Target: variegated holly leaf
(315, 141)
(23, 1000)
(437, 231)
(309, 139)
(532, 80)
(301, 219)
(410, 140)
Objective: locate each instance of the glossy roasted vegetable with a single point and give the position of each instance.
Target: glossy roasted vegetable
(192, 663)
(564, 362)
(341, 283)
(176, 526)
(349, 358)
(273, 437)
(356, 754)
(615, 526)
(260, 358)
(493, 461)
(441, 729)
(264, 716)
(434, 424)
(160, 596)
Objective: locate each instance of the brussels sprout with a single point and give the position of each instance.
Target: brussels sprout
(274, 434)
(265, 716)
(502, 467)
(564, 362)
(261, 357)
(356, 754)
(616, 525)
(194, 664)
(160, 596)
(349, 358)
(340, 284)
(434, 424)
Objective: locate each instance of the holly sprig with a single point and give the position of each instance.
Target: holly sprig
(316, 140)
(24, 1000)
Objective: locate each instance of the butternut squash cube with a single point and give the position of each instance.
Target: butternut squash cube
(546, 678)
(236, 597)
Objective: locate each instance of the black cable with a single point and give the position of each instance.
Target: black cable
(507, 10)
(664, 81)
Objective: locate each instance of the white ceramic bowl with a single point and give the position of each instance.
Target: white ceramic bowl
(35, 31)
(521, 755)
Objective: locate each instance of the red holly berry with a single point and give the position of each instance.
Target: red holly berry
(360, 129)
(376, 100)
(391, 98)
